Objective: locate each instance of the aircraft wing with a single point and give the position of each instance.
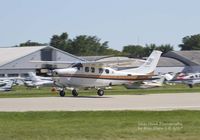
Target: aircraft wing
(54, 62)
(112, 62)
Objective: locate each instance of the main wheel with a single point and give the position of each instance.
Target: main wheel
(62, 93)
(74, 93)
(190, 85)
(100, 92)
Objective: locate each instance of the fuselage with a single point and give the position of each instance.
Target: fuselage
(190, 78)
(89, 76)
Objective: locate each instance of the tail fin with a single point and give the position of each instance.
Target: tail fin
(161, 80)
(149, 66)
(169, 77)
(33, 77)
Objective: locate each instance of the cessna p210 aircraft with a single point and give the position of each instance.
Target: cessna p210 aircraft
(96, 75)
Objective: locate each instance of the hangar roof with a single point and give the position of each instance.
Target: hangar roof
(189, 58)
(9, 54)
(169, 62)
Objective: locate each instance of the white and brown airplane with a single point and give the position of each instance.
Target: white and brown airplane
(96, 75)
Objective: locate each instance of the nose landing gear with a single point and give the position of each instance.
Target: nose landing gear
(74, 93)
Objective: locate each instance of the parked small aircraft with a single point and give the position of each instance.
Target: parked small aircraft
(96, 75)
(146, 84)
(34, 81)
(2, 83)
(185, 78)
(6, 85)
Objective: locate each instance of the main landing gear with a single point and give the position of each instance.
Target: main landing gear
(62, 93)
(100, 92)
(74, 93)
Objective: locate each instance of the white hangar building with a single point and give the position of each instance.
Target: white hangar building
(16, 61)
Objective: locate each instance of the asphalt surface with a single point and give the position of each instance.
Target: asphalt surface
(179, 101)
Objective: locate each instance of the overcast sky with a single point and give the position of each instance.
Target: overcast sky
(121, 22)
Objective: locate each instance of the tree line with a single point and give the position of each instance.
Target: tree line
(84, 45)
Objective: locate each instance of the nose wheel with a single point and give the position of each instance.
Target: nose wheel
(100, 92)
(74, 93)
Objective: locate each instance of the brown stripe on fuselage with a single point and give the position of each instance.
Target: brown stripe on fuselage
(109, 77)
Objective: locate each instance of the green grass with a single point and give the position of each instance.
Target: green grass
(21, 91)
(106, 125)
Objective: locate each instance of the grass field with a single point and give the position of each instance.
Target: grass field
(107, 125)
(21, 91)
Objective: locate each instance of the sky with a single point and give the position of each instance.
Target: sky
(120, 22)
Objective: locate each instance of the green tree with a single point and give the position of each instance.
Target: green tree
(61, 42)
(190, 42)
(139, 51)
(149, 48)
(165, 48)
(30, 43)
(90, 45)
(135, 51)
(82, 45)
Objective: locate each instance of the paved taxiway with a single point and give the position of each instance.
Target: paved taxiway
(189, 101)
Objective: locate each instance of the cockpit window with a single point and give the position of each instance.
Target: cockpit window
(92, 69)
(78, 66)
(100, 70)
(191, 76)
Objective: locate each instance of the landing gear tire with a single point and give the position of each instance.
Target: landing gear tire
(62, 93)
(190, 85)
(74, 93)
(100, 92)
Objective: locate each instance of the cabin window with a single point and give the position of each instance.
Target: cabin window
(92, 69)
(107, 71)
(87, 69)
(24, 75)
(2, 75)
(13, 75)
(100, 70)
